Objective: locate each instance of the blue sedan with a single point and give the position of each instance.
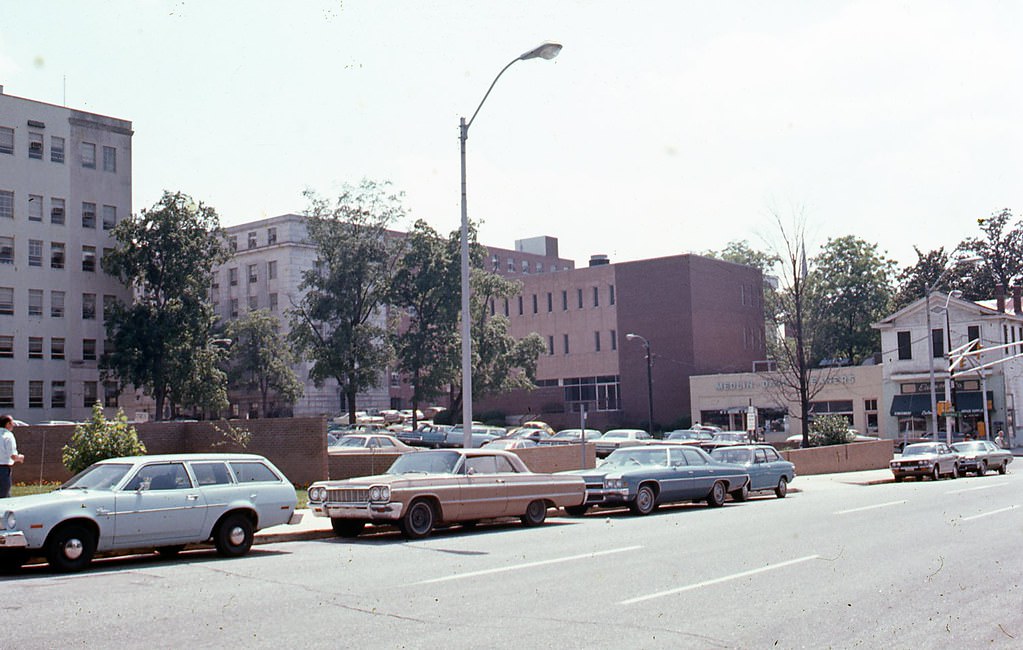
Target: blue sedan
(644, 477)
(767, 469)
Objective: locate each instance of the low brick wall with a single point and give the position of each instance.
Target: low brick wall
(853, 457)
(296, 445)
(342, 466)
(557, 458)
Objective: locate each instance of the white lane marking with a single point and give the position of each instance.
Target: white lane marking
(707, 583)
(982, 487)
(528, 565)
(877, 505)
(993, 512)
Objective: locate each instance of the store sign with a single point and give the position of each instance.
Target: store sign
(729, 386)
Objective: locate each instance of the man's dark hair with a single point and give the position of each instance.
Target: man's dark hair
(5, 420)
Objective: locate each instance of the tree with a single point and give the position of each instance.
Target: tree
(339, 323)
(426, 345)
(166, 255)
(1000, 250)
(852, 285)
(260, 358)
(99, 439)
(830, 430)
(913, 281)
(740, 252)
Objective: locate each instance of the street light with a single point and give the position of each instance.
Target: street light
(544, 51)
(649, 382)
(949, 385)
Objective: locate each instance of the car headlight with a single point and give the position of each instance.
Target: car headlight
(379, 493)
(614, 483)
(317, 493)
(9, 520)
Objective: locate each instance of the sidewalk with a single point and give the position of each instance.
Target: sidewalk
(309, 528)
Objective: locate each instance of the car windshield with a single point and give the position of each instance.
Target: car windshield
(916, 450)
(616, 434)
(351, 442)
(427, 462)
(633, 456)
(98, 477)
(969, 446)
(740, 456)
(689, 435)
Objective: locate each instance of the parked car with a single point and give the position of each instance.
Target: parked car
(368, 442)
(687, 437)
(536, 424)
(619, 438)
(509, 443)
(934, 459)
(766, 468)
(162, 502)
(427, 435)
(644, 477)
(480, 436)
(571, 436)
(444, 486)
(725, 439)
(536, 435)
(981, 455)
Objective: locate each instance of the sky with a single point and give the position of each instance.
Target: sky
(661, 128)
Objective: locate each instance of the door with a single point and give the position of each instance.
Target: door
(485, 493)
(158, 506)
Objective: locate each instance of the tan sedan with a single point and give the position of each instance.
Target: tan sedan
(444, 486)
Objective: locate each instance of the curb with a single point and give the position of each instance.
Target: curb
(297, 536)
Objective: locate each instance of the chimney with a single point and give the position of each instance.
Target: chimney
(1000, 297)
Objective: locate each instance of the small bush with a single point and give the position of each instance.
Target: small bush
(829, 430)
(99, 439)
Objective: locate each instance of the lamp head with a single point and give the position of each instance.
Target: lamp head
(955, 293)
(630, 337)
(547, 51)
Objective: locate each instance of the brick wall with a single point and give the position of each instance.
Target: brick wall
(841, 458)
(347, 465)
(295, 445)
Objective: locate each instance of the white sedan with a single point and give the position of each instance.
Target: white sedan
(145, 502)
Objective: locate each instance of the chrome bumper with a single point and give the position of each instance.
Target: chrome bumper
(365, 511)
(607, 496)
(13, 539)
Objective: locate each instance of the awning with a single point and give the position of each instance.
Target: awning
(970, 403)
(914, 404)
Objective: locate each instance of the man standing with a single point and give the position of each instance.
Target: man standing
(8, 454)
(1000, 439)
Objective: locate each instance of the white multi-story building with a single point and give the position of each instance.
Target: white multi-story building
(910, 351)
(65, 181)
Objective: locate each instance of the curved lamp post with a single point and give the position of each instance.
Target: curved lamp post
(545, 51)
(649, 383)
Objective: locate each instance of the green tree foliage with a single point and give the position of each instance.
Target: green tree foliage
(261, 360)
(166, 255)
(829, 430)
(850, 290)
(913, 281)
(426, 342)
(740, 252)
(99, 439)
(340, 322)
(1000, 249)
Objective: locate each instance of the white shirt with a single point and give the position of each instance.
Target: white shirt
(8, 447)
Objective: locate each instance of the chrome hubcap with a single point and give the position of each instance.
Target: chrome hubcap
(73, 549)
(237, 536)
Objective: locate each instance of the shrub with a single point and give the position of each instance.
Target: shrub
(99, 439)
(829, 430)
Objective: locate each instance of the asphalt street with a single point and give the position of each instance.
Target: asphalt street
(842, 563)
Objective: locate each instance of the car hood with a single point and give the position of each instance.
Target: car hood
(23, 503)
(916, 457)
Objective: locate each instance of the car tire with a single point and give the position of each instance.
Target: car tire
(170, 551)
(347, 528)
(1003, 468)
(716, 497)
(782, 489)
(981, 469)
(742, 494)
(233, 535)
(899, 478)
(955, 470)
(536, 513)
(936, 474)
(418, 520)
(70, 548)
(645, 501)
(576, 511)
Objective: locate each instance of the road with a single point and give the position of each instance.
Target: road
(919, 564)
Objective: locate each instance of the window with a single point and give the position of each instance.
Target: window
(595, 393)
(89, 259)
(579, 295)
(520, 305)
(35, 394)
(211, 474)
(35, 145)
(6, 250)
(6, 204)
(493, 307)
(56, 149)
(564, 339)
(252, 240)
(905, 346)
(596, 341)
(506, 313)
(973, 332)
(596, 297)
(271, 270)
(614, 339)
(253, 303)
(35, 207)
(6, 139)
(511, 265)
(108, 305)
(7, 394)
(56, 255)
(273, 302)
(232, 276)
(234, 308)
(88, 393)
(252, 274)
(564, 301)
(88, 215)
(35, 347)
(7, 301)
(110, 393)
(550, 345)
(109, 217)
(550, 302)
(35, 302)
(56, 348)
(7, 346)
(88, 349)
(535, 309)
(88, 151)
(539, 267)
(232, 243)
(56, 304)
(58, 395)
(938, 343)
(525, 266)
(109, 159)
(35, 252)
(253, 472)
(611, 294)
(271, 236)
(495, 263)
(88, 306)
(57, 211)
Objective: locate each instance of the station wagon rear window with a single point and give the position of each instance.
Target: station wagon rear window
(211, 473)
(253, 472)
